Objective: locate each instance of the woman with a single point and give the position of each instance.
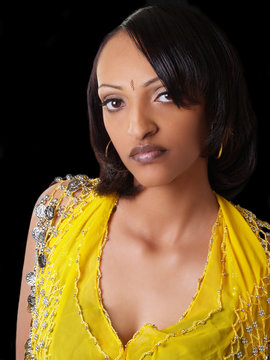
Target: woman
(151, 260)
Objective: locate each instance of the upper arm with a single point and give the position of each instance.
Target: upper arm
(48, 212)
(24, 316)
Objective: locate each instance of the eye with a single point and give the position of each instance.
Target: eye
(164, 97)
(113, 104)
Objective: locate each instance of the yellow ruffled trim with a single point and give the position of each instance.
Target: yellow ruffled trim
(196, 323)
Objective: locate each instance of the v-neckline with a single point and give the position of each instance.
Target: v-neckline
(200, 285)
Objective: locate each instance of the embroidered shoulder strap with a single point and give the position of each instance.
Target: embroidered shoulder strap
(61, 200)
(260, 228)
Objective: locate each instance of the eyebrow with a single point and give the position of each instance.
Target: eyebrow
(111, 86)
(151, 81)
(147, 83)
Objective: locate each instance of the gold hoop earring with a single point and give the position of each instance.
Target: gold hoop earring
(107, 148)
(106, 155)
(220, 152)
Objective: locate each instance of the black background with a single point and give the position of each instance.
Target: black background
(47, 54)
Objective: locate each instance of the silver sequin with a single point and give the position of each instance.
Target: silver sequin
(30, 278)
(31, 300)
(39, 235)
(49, 212)
(39, 211)
(74, 185)
(42, 260)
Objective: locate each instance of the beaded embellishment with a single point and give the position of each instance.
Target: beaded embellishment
(45, 292)
(250, 340)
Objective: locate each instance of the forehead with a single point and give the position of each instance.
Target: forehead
(120, 59)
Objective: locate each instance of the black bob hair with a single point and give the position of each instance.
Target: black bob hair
(195, 61)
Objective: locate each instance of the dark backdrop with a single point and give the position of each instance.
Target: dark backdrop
(47, 54)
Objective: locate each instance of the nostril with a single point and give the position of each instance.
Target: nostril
(142, 129)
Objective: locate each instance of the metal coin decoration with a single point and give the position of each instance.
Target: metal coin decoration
(31, 300)
(49, 212)
(39, 235)
(42, 260)
(39, 211)
(27, 345)
(30, 278)
(46, 213)
(74, 185)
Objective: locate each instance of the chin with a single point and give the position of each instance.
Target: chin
(150, 179)
(154, 176)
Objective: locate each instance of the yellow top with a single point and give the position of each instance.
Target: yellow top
(229, 317)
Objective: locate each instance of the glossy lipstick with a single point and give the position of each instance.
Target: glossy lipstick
(147, 153)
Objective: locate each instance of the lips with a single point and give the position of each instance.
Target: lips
(146, 149)
(147, 153)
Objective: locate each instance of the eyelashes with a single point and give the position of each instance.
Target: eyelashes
(115, 104)
(112, 104)
(166, 97)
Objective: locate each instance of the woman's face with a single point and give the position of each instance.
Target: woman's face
(157, 141)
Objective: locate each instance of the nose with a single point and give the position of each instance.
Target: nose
(141, 124)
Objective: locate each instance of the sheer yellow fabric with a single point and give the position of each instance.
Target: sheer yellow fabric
(229, 317)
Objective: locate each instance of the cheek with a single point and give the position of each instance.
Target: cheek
(187, 135)
(185, 125)
(118, 136)
(110, 126)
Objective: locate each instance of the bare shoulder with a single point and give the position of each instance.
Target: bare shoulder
(52, 206)
(63, 192)
(26, 299)
(48, 211)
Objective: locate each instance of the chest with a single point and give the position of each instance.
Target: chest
(140, 285)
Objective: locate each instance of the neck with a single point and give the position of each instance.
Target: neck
(170, 213)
